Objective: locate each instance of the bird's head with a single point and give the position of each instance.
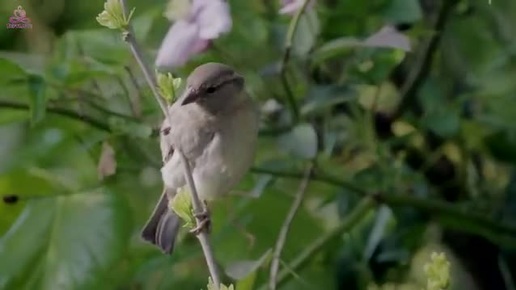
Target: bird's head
(213, 86)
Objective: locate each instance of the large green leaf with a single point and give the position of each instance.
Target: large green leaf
(321, 99)
(10, 71)
(14, 64)
(301, 141)
(306, 33)
(445, 123)
(65, 242)
(245, 272)
(143, 23)
(102, 45)
(386, 37)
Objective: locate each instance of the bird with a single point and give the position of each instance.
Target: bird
(215, 125)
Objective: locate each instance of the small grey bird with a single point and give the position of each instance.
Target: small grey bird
(215, 124)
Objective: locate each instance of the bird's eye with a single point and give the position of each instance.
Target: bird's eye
(166, 131)
(211, 90)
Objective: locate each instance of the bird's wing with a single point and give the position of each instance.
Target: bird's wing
(191, 133)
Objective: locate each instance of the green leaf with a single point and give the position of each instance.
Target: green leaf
(386, 37)
(168, 86)
(335, 48)
(261, 218)
(106, 20)
(122, 126)
(66, 242)
(12, 116)
(245, 271)
(301, 141)
(383, 216)
(306, 33)
(403, 11)
(437, 272)
(113, 16)
(321, 98)
(211, 286)
(10, 71)
(98, 44)
(241, 269)
(24, 62)
(181, 204)
(143, 23)
(445, 123)
(37, 90)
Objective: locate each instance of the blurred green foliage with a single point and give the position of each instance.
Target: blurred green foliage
(413, 150)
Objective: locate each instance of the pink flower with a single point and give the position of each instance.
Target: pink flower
(292, 6)
(191, 35)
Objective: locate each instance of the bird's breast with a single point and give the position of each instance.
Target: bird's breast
(229, 155)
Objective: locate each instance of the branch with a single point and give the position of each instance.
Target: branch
(62, 112)
(71, 114)
(282, 237)
(202, 236)
(149, 76)
(286, 57)
(135, 102)
(477, 223)
(316, 246)
(421, 68)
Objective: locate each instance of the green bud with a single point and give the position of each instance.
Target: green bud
(168, 85)
(438, 272)
(211, 286)
(181, 204)
(113, 15)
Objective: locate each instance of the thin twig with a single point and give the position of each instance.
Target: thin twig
(151, 80)
(104, 110)
(138, 55)
(313, 248)
(87, 97)
(137, 107)
(127, 95)
(421, 68)
(286, 57)
(282, 237)
(202, 236)
(62, 112)
(452, 216)
(104, 126)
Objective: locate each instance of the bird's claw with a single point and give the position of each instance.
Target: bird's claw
(203, 221)
(202, 226)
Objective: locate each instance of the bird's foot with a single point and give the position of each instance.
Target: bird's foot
(203, 221)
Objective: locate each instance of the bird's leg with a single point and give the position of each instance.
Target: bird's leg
(204, 223)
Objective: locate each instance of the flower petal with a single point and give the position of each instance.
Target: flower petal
(213, 18)
(179, 45)
(292, 6)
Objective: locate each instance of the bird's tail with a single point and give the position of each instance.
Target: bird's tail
(162, 227)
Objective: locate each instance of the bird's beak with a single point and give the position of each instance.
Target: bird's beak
(189, 96)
